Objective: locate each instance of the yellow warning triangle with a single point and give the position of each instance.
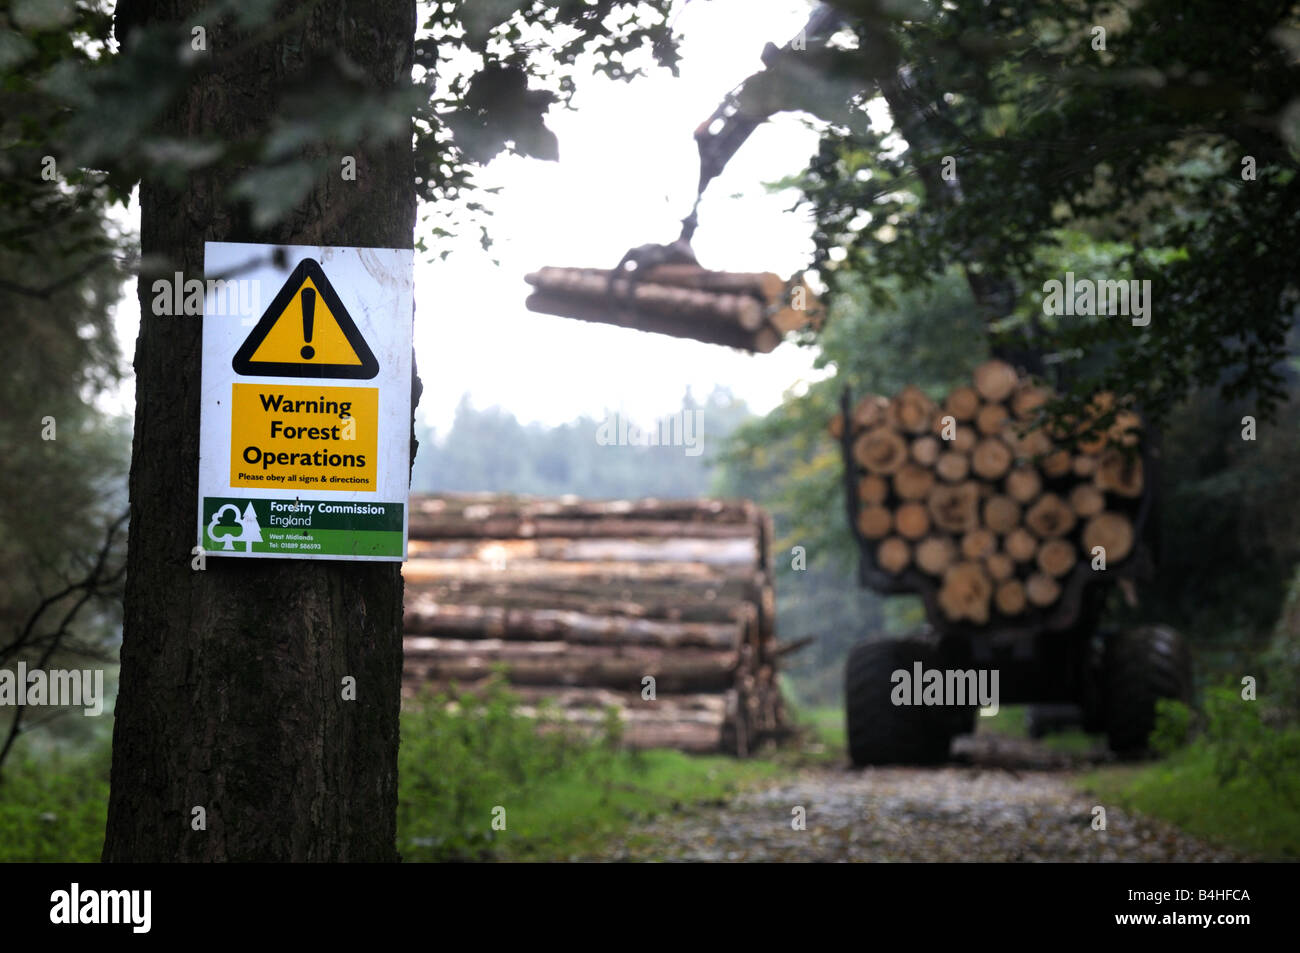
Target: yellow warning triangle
(306, 332)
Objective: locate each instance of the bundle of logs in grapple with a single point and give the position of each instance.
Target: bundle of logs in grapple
(994, 501)
(663, 610)
(750, 311)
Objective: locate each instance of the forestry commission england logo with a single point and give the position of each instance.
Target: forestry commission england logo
(77, 906)
(948, 687)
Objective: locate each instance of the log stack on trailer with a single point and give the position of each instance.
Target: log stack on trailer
(977, 504)
(751, 311)
(1008, 518)
(577, 602)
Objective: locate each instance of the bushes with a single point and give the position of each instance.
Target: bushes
(54, 808)
(1231, 774)
(458, 762)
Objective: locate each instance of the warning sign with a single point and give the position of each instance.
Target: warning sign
(304, 447)
(306, 332)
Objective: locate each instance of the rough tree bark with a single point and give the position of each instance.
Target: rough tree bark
(231, 676)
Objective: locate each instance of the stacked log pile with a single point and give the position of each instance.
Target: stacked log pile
(750, 311)
(578, 602)
(994, 513)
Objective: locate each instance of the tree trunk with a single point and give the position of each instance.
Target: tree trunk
(231, 677)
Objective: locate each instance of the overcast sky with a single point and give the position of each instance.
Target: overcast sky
(626, 176)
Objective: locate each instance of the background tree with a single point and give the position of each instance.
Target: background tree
(1164, 130)
(61, 270)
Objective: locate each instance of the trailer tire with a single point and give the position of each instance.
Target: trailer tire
(1142, 665)
(880, 732)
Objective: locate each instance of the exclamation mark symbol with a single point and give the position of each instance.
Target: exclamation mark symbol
(308, 316)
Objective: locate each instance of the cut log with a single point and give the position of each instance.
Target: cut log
(911, 411)
(563, 663)
(1028, 400)
(505, 529)
(1056, 557)
(1001, 514)
(913, 481)
(1086, 500)
(1010, 597)
(991, 419)
(1090, 435)
(767, 286)
(1057, 464)
(912, 520)
(979, 543)
(926, 449)
(934, 554)
(966, 593)
(716, 321)
(1024, 484)
(681, 604)
(419, 571)
(965, 439)
(726, 551)
(1120, 472)
(995, 380)
(991, 458)
(873, 489)
(492, 622)
(869, 412)
(594, 285)
(999, 566)
(955, 507)
(1042, 590)
(1033, 444)
(1050, 517)
(880, 450)
(1020, 545)
(1084, 465)
(894, 555)
(875, 522)
(1126, 431)
(952, 466)
(644, 597)
(487, 507)
(1113, 532)
(962, 403)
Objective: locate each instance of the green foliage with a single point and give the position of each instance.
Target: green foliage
(1237, 781)
(1172, 728)
(1139, 146)
(486, 74)
(1244, 746)
(63, 481)
(457, 764)
(1281, 689)
(1226, 531)
(564, 794)
(54, 808)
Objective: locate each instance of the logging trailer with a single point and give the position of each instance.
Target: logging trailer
(1006, 564)
(997, 532)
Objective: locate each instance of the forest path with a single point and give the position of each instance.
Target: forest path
(1012, 800)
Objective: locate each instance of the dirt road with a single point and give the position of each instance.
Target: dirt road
(1014, 802)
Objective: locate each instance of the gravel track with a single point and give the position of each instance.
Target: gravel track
(1012, 801)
